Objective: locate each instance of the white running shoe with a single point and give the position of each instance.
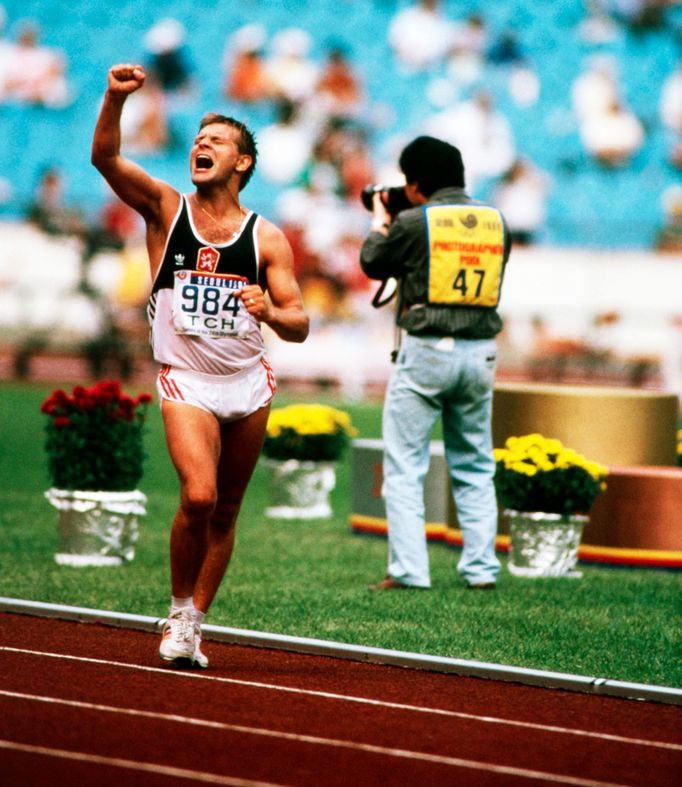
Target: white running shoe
(178, 637)
(199, 658)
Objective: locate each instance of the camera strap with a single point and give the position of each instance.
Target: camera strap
(379, 298)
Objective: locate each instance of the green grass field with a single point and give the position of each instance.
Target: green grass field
(310, 578)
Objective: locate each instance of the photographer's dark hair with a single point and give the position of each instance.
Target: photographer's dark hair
(432, 164)
(246, 142)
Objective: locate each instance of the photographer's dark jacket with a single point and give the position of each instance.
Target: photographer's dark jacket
(406, 254)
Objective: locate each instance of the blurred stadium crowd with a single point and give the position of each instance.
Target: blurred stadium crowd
(569, 116)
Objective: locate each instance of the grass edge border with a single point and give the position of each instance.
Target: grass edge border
(379, 656)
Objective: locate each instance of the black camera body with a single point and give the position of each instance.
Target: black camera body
(393, 197)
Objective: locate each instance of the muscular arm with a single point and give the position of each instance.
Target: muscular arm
(155, 200)
(282, 309)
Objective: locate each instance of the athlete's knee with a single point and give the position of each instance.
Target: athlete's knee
(199, 501)
(226, 511)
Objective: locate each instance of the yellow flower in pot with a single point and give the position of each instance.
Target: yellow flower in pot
(302, 442)
(547, 491)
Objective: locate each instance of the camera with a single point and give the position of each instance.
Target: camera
(393, 197)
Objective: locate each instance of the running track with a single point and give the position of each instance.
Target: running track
(84, 704)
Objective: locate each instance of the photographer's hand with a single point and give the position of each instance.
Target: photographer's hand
(381, 218)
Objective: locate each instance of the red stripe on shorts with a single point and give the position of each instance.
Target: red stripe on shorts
(170, 387)
(272, 383)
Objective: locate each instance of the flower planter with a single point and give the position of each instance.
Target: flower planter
(544, 545)
(300, 489)
(96, 528)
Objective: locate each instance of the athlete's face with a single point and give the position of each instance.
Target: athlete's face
(215, 155)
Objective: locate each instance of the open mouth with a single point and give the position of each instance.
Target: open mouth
(203, 162)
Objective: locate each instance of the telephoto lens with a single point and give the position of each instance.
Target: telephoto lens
(393, 197)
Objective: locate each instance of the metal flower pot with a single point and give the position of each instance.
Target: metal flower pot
(544, 545)
(96, 528)
(300, 489)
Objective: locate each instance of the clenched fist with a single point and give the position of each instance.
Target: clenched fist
(126, 78)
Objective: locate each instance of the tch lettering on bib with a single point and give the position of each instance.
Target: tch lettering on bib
(466, 250)
(209, 305)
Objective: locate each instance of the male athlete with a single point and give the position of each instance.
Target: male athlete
(218, 271)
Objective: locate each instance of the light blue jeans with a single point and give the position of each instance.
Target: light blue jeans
(452, 379)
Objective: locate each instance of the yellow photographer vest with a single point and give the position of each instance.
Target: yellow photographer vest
(466, 250)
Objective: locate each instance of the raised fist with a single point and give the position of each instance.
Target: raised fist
(126, 78)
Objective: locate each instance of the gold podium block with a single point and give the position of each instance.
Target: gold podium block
(613, 426)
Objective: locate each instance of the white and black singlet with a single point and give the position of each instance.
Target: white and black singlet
(197, 320)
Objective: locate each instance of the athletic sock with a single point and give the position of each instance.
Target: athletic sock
(199, 616)
(182, 603)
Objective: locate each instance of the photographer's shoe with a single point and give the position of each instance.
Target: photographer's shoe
(388, 583)
(481, 586)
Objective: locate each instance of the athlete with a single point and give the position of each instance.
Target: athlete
(218, 270)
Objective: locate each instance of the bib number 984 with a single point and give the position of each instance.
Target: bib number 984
(209, 305)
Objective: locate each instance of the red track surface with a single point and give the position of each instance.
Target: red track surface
(83, 704)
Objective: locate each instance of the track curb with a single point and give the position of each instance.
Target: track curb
(379, 656)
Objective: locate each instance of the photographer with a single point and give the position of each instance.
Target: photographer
(448, 253)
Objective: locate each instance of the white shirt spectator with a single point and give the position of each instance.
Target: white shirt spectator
(284, 147)
(670, 105)
(7, 54)
(421, 36)
(483, 136)
(596, 88)
(292, 74)
(38, 73)
(522, 198)
(612, 137)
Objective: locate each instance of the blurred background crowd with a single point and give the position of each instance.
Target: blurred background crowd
(569, 117)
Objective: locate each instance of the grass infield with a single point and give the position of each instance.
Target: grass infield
(309, 579)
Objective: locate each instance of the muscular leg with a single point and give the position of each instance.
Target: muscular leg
(193, 438)
(241, 443)
(214, 463)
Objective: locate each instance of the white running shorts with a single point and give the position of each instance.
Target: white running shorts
(228, 398)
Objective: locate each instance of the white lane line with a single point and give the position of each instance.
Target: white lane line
(436, 759)
(360, 700)
(133, 765)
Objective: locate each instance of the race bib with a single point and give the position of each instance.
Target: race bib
(466, 250)
(208, 304)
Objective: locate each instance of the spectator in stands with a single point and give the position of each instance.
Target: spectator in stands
(595, 88)
(670, 112)
(291, 71)
(48, 210)
(612, 137)
(669, 237)
(341, 148)
(338, 90)
(466, 57)
(506, 49)
(641, 15)
(121, 222)
(167, 58)
(482, 134)
(37, 74)
(421, 36)
(598, 27)
(7, 54)
(670, 105)
(522, 197)
(246, 75)
(285, 146)
(508, 55)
